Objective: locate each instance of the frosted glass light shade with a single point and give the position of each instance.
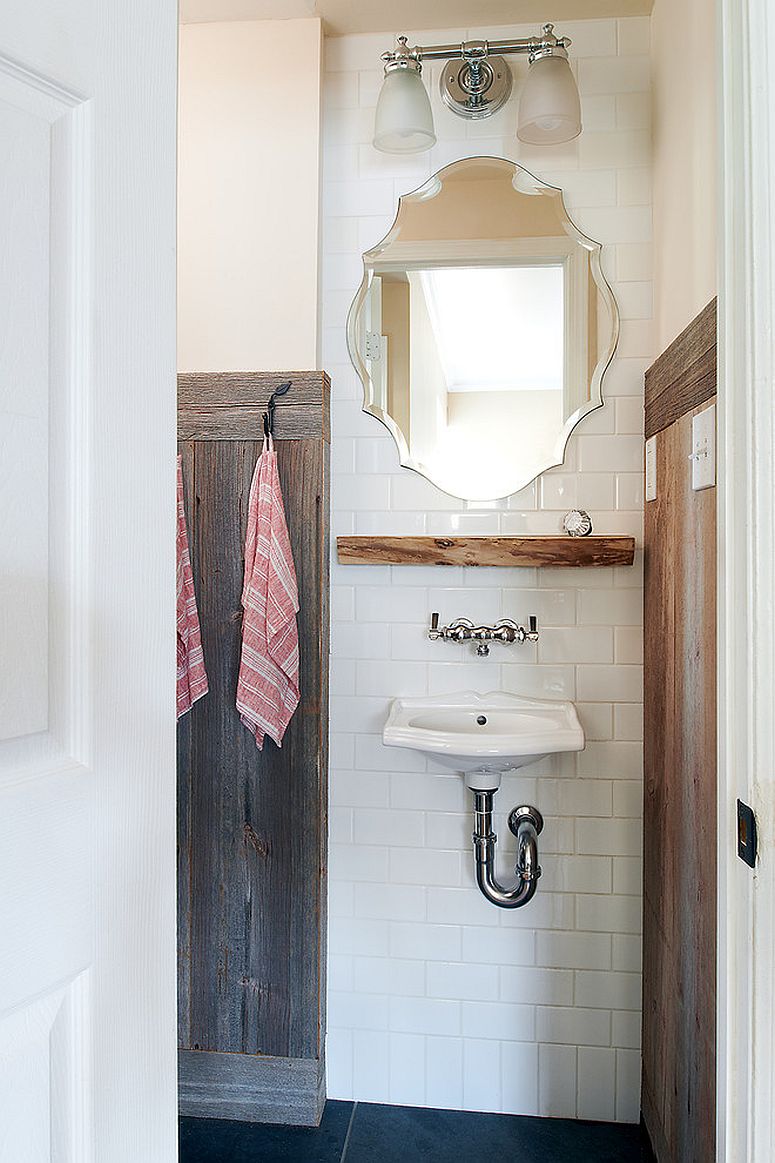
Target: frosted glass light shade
(403, 122)
(549, 108)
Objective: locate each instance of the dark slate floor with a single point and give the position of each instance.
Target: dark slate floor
(368, 1133)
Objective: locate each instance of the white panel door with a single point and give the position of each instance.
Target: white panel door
(87, 444)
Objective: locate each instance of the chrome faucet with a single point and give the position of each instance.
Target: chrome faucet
(464, 630)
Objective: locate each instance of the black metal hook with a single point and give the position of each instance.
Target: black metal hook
(269, 414)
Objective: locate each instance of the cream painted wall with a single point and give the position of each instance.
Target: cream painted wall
(249, 196)
(683, 54)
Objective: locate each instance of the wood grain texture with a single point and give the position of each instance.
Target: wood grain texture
(679, 949)
(684, 376)
(252, 1088)
(230, 405)
(504, 551)
(253, 824)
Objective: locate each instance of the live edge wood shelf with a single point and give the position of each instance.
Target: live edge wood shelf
(504, 551)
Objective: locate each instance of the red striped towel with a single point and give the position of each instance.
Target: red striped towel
(192, 677)
(268, 686)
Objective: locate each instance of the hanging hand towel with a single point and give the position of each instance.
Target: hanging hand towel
(268, 686)
(192, 677)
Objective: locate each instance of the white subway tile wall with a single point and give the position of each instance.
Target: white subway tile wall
(436, 997)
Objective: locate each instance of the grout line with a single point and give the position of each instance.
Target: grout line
(349, 1132)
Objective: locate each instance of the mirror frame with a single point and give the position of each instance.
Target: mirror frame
(370, 405)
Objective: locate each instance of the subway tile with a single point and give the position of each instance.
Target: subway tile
(495, 1020)
(350, 1011)
(431, 792)
(444, 1072)
(384, 677)
(360, 640)
(610, 914)
(633, 111)
(626, 1027)
(576, 644)
(505, 946)
(613, 759)
(340, 825)
(574, 950)
(425, 942)
(608, 838)
(449, 830)
(627, 954)
(466, 906)
(576, 797)
(608, 683)
(628, 1086)
(391, 902)
(371, 1065)
(365, 715)
(589, 490)
(339, 1064)
(615, 453)
(391, 604)
(371, 754)
(388, 975)
(358, 862)
(628, 721)
(418, 866)
(341, 898)
(629, 485)
(597, 720)
(359, 789)
(424, 1015)
(519, 1078)
(628, 798)
(633, 259)
(576, 873)
(388, 826)
(607, 990)
(634, 35)
(628, 644)
(407, 1068)
(628, 875)
(634, 188)
(359, 937)
(542, 681)
(614, 75)
(573, 1025)
(610, 608)
(596, 1083)
(463, 980)
(557, 1081)
(481, 1075)
(529, 986)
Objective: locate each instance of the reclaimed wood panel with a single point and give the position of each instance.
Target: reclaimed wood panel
(498, 551)
(684, 376)
(251, 1088)
(230, 405)
(679, 922)
(253, 824)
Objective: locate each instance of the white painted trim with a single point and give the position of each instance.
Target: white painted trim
(746, 626)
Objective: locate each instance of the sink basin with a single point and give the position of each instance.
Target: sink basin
(483, 733)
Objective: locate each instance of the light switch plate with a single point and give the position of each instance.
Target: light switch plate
(703, 454)
(651, 469)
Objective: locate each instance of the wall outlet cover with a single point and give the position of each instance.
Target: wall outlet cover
(651, 469)
(703, 454)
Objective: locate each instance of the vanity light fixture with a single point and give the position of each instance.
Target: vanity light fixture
(475, 84)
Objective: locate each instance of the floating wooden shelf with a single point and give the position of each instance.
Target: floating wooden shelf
(505, 551)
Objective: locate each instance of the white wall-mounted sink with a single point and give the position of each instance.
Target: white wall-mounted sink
(486, 734)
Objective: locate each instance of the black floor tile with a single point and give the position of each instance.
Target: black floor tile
(383, 1134)
(222, 1141)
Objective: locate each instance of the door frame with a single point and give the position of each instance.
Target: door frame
(746, 556)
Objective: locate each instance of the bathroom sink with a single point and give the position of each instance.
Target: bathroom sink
(483, 733)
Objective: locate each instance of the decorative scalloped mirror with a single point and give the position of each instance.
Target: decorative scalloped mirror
(482, 328)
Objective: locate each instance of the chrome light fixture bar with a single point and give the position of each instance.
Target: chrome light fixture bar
(477, 83)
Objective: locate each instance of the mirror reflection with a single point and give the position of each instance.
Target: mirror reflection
(482, 328)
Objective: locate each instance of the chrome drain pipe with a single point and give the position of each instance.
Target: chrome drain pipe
(526, 824)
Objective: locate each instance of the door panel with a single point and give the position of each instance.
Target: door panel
(87, 457)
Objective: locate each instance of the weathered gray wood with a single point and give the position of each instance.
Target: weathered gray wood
(678, 1096)
(251, 1088)
(230, 405)
(491, 551)
(253, 824)
(684, 375)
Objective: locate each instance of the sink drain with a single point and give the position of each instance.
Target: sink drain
(481, 720)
